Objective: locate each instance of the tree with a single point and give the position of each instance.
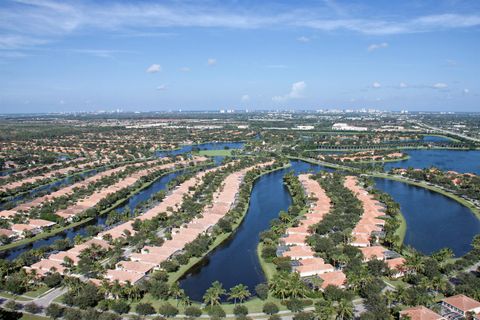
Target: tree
(344, 310)
(239, 292)
(193, 312)
(213, 294)
(270, 308)
(216, 311)
(304, 316)
(324, 309)
(72, 314)
(240, 310)
(145, 309)
(168, 310)
(33, 308)
(261, 290)
(120, 306)
(54, 311)
(294, 305)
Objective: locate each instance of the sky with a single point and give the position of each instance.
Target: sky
(65, 56)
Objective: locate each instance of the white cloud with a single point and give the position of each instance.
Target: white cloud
(466, 91)
(43, 21)
(154, 68)
(296, 92)
(303, 39)
(185, 69)
(376, 84)
(162, 87)
(245, 97)
(376, 46)
(403, 85)
(212, 62)
(440, 85)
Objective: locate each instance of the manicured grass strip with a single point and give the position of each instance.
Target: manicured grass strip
(37, 292)
(7, 295)
(27, 316)
(216, 153)
(402, 229)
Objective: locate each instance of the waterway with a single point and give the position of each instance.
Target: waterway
(433, 220)
(457, 160)
(202, 146)
(236, 261)
(132, 202)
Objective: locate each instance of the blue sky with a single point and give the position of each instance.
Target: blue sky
(165, 55)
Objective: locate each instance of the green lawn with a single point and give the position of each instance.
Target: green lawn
(37, 292)
(215, 153)
(27, 316)
(402, 229)
(7, 295)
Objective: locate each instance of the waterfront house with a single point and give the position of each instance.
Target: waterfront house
(462, 305)
(420, 313)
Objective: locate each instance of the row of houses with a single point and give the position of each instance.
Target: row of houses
(294, 245)
(369, 229)
(57, 261)
(34, 226)
(452, 308)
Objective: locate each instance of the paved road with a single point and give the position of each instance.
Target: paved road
(449, 132)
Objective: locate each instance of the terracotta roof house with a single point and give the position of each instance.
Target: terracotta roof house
(124, 276)
(299, 252)
(335, 278)
(462, 304)
(420, 313)
(313, 266)
(374, 252)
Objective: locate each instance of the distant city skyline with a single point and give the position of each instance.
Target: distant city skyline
(70, 56)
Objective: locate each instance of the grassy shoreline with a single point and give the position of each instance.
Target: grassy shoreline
(56, 231)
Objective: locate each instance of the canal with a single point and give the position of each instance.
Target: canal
(235, 261)
(433, 220)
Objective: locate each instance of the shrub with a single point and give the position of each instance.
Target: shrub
(90, 314)
(216, 311)
(294, 305)
(103, 305)
(193, 312)
(33, 308)
(168, 310)
(53, 280)
(12, 305)
(270, 308)
(145, 309)
(109, 316)
(304, 316)
(54, 311)
(240, 310)
(274, 317)
(261, 290)
(72, 314)
(119, 306)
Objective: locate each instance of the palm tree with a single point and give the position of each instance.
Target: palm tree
(344, 310)
(414, 262)
(105, 288)
(176, 292)
(324, 310)
(213, 294)
(239, 292)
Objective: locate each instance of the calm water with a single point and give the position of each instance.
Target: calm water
(201, 146)
(236, 260)
(433, 220)
(456, 160)
(132, 202)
